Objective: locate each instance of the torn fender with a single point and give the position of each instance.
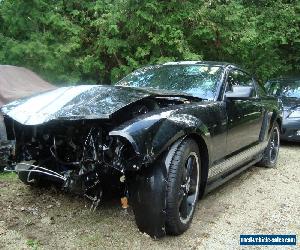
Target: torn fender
(152, 135)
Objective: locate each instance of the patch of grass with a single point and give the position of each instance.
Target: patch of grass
(8, 176)
(34, 244)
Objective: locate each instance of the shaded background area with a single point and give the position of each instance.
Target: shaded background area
(101, 41)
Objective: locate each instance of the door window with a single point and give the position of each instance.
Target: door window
(239, 78)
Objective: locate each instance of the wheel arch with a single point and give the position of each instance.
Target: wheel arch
(204, 157)
(279, 122)
(151, 138)
(275, 117)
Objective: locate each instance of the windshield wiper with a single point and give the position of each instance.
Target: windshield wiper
(181, 96)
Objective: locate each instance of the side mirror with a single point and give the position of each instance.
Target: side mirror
(240, 93)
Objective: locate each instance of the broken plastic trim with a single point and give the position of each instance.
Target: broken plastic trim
(35, 170)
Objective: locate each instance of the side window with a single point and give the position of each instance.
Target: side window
(239, 78)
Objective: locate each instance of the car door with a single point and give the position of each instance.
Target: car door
(245, 115)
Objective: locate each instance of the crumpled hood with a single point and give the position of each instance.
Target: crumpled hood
(73, 103)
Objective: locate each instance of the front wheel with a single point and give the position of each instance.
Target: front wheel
(270, 155)
(182, 187)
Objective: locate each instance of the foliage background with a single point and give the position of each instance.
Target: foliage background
(75, 41)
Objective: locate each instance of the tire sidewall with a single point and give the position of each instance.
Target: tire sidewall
(185, 149)
(276, 127)
(267, 161)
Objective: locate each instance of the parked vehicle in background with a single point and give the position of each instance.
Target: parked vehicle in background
(165, 135)
(288, 90)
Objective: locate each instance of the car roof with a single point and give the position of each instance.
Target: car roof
(212, 63)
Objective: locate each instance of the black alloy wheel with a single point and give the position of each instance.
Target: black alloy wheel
(274, 145)
(270, 156)
(183, 187)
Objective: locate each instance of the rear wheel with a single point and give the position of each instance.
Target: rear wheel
(271, 153)
(182, 187)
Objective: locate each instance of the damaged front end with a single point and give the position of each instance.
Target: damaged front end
(88, 150)
(78, 156)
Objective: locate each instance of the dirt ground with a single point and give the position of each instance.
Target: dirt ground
(259, 201)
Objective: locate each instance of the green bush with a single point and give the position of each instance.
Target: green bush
(76, 41)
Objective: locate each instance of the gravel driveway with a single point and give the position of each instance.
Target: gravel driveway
(259, 200)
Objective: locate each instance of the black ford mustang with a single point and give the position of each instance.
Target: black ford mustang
(164, 135)
(288, 90)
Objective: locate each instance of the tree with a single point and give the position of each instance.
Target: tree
(101, 41)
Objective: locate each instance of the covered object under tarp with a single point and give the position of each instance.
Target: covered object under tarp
(18, 82)
(15, 83)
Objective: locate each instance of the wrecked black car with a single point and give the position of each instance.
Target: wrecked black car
(288, 90)
(165, 135)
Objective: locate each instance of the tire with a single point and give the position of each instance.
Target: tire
(182, 187)
(270, 155)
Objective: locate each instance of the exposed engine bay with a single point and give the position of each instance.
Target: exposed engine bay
(81, 156)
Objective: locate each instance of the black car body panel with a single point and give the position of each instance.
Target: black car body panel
(95, 131)
(153, 133)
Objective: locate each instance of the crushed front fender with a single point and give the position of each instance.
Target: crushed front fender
(148, 199)
(151, 136)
